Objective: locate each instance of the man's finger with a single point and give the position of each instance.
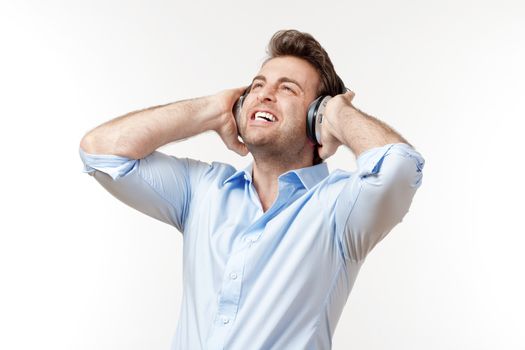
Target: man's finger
(327, 150)
(239, 91)
(349, 95)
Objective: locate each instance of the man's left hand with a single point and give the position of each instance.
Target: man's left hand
(331, 135)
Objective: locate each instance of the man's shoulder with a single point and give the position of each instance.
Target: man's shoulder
(193, 168)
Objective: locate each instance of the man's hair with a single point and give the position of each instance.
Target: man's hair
(303, 45)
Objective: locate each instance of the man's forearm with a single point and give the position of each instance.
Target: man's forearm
(361, 132)
(345, 124)
(137, 134)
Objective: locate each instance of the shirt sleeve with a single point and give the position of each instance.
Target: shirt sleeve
(376, 197)
(158, 185)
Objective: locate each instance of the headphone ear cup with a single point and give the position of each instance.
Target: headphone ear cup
(310, 120)
(237, 107)
(238, 104)
(314, 118)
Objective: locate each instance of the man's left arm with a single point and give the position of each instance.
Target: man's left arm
(347, 125)
(378, 195)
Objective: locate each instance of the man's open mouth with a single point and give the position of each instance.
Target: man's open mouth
(264, 116)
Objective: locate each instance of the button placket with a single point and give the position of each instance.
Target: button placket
(229, 297)
(250, 240)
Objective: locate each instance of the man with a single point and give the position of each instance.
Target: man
(270, 252)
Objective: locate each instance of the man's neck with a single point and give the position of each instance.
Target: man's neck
(266, 177)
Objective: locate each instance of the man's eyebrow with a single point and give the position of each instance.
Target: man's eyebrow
(280, 80)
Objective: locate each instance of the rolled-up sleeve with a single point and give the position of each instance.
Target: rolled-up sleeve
(158, 185)
(376, 197)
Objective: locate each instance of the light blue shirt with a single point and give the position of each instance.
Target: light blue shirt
(266, 280)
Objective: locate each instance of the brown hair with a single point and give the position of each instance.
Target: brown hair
(303, 45)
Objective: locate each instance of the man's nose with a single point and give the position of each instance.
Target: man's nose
(266, 94)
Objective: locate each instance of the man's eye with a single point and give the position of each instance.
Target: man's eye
(287, 88)
(256, 85)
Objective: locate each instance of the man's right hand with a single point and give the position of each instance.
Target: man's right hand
(227, 128)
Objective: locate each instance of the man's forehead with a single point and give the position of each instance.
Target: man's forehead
(289, 68)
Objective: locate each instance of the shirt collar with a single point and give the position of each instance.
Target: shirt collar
(246, 173)
(309, 176)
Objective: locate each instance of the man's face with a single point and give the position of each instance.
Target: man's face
(273, 116)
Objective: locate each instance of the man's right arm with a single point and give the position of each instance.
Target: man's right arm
(137, 134)
(120, 154)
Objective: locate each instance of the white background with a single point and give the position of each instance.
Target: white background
(80, 270)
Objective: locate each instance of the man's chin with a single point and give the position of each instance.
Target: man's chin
(261, 146)
(258, 140)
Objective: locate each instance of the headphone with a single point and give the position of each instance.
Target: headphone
(314, 115)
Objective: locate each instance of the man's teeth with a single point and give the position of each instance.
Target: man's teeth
(264, 116)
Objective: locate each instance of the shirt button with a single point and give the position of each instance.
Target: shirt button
(233, 275)
(225, 319)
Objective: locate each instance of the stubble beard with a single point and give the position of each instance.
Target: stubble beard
(282, 149)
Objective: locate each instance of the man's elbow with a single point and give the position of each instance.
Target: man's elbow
(88, 144)
(402, 171)
(100, 144)
(396, 183)
(93, 143)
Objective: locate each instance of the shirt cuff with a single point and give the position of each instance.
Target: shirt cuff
(370, 161)
(114, 166)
